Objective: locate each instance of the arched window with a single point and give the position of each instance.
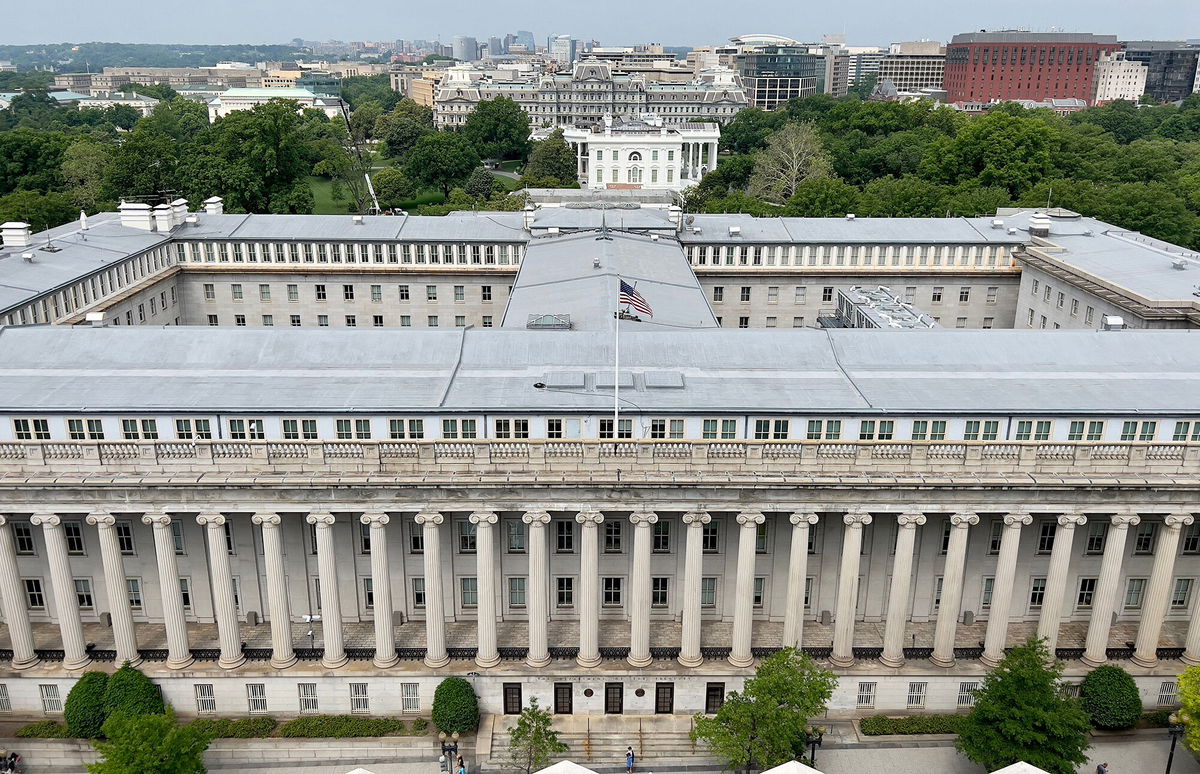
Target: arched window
(635, 156)
(635, 174)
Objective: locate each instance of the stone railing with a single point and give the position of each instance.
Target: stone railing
(594, 459)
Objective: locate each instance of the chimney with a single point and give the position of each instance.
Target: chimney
(179, 211)
(162, 218)
(16, 234)
(1039, 225)
(214, 205)
(136, 215)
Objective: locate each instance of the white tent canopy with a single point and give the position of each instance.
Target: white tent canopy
(565, 767)
(1020, 767)
(792, 767)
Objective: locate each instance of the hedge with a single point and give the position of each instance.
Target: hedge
(455, 707)
(1110, 697)
(132, 692)
(1157, 719)
(236, 728)
(44, 729)
(878, 725)
(340, 726)
(84, 710)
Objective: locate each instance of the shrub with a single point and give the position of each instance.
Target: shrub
(340, 726)
(44, 729)
(1157, 719)
(131, 692)
(1110, 698)
(236, 728)
(420, 725)
(878, 725)
(455, 707)
(84, 709)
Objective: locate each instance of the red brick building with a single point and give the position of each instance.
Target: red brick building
(1010, 65)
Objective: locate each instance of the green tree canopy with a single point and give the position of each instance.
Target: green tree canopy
(481, 184)
(130, 692)
(499, 129)
(84, 709)
(552, 158)
(401, 135)
(822, 198)
(533, 742)
(150, 744)
(455, 706)
(443, 160)
(392, 188)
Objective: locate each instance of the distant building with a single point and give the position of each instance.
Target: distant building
(466, 48)
(564, 49)
(1014, 65)
(863, 62)
(776, 69)
(1172, 67)
(643, 153)
(525, 38)
(1118, 77)
(140, 102)
(233, 100)
(496, 47)
(914, 66)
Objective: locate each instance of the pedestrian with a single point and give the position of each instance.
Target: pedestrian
(460, 766)
(629, 760)
(1102, 768)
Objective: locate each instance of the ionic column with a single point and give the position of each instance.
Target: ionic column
(282, 654)
(952, 575)
(381, 590)
(331, 598)
(1002, 587)
(693, 567)
(116, 588)
(1158, 595)
(1056, 578)
(793, 616)
(486, 654)
(743, 602)
(843, 624)
(178, 654)
(538, 588)
(65, 602)
(1104, 602)
(589, 588)
(435, 616)
(897, 611)
(16, 615)
(224, 604)
(639, 597)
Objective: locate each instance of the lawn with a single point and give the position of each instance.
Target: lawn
(506, 183)
(324, 203)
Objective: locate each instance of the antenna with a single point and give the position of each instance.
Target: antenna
(1048, 195)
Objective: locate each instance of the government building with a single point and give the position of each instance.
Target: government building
(604, 454)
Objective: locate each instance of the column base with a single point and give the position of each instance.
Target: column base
(589, 661)
(1148, 663)
(180, 663)
(231, 663)
(640, 661)
(437, 663)
(78, 663)
(842, 662)
(939, 661)
(989, 661)
(538, 663)
(1092, 661)
(690, 661)
(284, 663)
(891, 663)
(336, 663)
(27, 663)
(488, 662)
(1189, 660)
(741, 661)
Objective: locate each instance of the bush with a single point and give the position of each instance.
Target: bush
(1156, 719)
(236, 728)
(878, 725)
(44, 729)
(455, 707)
(419, 726)
(131, 692)
(340, 726)
(84, 709)
(1110, 698)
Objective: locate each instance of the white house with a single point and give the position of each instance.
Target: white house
(643, 153)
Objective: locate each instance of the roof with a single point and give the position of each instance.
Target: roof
(458, 226)
(250, 93)
(565, 767)
(792, 767)
(1024, 36)
(372, 371)
(715, 228)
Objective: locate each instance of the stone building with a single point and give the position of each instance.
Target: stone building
(643, 153)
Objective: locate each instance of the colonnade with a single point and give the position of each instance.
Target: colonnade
(430, 521)
(697, 155)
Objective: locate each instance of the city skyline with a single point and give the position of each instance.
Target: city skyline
(860, 20)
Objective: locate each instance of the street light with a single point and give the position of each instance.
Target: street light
(1175, 729)
(448, 749)
(816, 735)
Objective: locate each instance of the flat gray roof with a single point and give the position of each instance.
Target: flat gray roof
(278, 370)
(715, 228)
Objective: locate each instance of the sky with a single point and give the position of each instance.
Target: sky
(612, 22)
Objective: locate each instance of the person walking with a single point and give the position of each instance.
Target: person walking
(629, 760)
(1102, 768)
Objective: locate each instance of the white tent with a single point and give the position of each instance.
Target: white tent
(1020, 767)
(792, 767)
(565, 767)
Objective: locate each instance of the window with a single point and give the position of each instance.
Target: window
(51, 700)
(293, 292)
(256, 698)
(23, 537)
(1135, 592)
(709, 537)
(455, 428)
(404, 296)
(1037, 431)
(466, 537)
(210, 291)
(1094, 431)
(360, 703)
(236, 289)
(1181, 593)
(418, 592)
(294, 320)
(1046, 532)
(351, 321)
(658, 592)
(1143, 538)
(1096, 534)
(1037, 592)
(774, 429)
(297, 429)
(612, 537)
(985, 599)
(125, 537)
(485, 292)
(661, 536)
(409, 697)
(916, 695)
(760, 592)
(134, 587)
(866, 695)
(564, 536)
(264, 292)
(308, 698)
(243, 429)
(185, 593)
(73, 531)
(1191, 539)
(826, 294)
(932, 430)
(91, 429)
(612, 592)
(31, 429)
(206, 700)
(377, 320)
(83, 593)
(564, 592)
(937, 295)
(966, 694)
(416, 429)
(964, 295)
(358, 428)
(666, 428)
(995, 536)
(512, 428)
(1132, 431)
(745, 294)
(431, 292)
(728, 429)
(514, 530)
(1087, 592)
(708, 592)
(1168, 694)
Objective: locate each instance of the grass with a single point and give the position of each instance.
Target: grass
(512, 165)
(324, 203)
(506, 183)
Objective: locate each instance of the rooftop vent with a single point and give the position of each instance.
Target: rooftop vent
(136, 215)
(1111, 322)
(1012, 232)
(28, 257)
(849, 216)
(1179, 264)
(16, 234)
(997, 223)
(214, 205)
(96, 319)
(549, 322)
(358, 220)
(735, 231)
(1039, 225)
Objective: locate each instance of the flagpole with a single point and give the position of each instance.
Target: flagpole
(617, 366)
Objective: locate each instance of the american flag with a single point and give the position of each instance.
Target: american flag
(630, 297)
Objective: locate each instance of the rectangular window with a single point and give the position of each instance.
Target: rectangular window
(418, 592)
(1037, 592)
(23, 537)
(466, 537)
(710, 538)
(1046, 532)
(1135, 592)
(916, 695)
(612, 537)
(1181, 593)
(83, 593)
(1096, 534)
(410, 700)
(73, 531)
(658, 592)
(866, 695)
(35, 599)
(134, 588)
(256, 698)
(1168, 694)
(1143, 538)
(125, 537)
(564, 592)
(206, 699)
(51, 699)
(1087, 592)
(985, 599)
(360, 702)
(966, 694)
(612, 592)
(308, 698)
(708, 592)
(661, 536)
(564, 536)
(514, 531)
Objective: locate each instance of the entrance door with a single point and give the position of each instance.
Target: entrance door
(512, 698)
(714, 697)
(664, 698)
(562, 699)
(614, 698)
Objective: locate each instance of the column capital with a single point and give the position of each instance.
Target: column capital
(807, 518)
(3, 520)
(911, 519)
(590, 518)
(858, 519)
(484, 517)
(101, 519)
(696, 519)
(1178, 520)
(536, 518)
(211, 520)
(156, 519)
(374, 518)
(434, 518)
(267, 519)
(750, 519)
(1125, 520)
(1071, 520)
(1017, 519)
(643, 518)
(45, 520)
(964, 520)
(322, 520)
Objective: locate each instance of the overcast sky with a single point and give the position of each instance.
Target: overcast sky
(673, 23)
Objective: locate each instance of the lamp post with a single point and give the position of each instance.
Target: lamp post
(312, 635)
(449, 749)
(816, 735)
(1175, 729)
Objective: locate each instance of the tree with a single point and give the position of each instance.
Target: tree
(84, 166)
(84, 710)
(1110, 697)
(358, 89)
(906, 197)
(150, 744)
(1001, 148)
(363, 120)
(764, 725)
(443, 160)
(130, 692)
(42, 211)
(822, 198)
(1189, 710)
(455, 707)
(1021, 714)
(392, 188)
(552, 158)
(749, 130)
(401, 135)
(533, 742)
(498, 128)
(793, 154)
(480, 184)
